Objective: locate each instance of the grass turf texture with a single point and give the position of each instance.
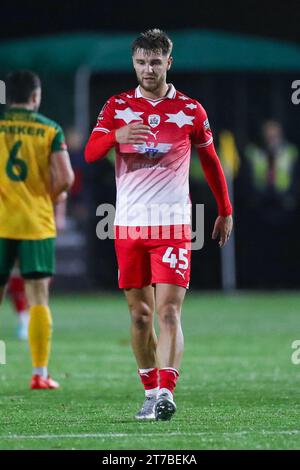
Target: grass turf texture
(238, 388)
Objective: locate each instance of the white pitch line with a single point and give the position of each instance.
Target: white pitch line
(117, 435)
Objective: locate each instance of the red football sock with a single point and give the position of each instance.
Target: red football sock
(149, 378)
(168, 378)
(17, 291)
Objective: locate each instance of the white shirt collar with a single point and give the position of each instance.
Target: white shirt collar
(171, 93)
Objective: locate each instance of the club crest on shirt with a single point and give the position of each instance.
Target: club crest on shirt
(154, 120)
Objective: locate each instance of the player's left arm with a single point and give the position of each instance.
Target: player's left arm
(60, 211)
(61, 172)
(214, 174)
(61, 175)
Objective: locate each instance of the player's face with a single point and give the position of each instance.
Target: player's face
(151, 69)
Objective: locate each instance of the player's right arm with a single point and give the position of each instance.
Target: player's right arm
(104, 135)
(61, 174)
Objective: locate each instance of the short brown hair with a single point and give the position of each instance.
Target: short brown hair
(20, 84)
(153, 40)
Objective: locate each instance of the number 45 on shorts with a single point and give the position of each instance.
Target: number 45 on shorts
(170, 257)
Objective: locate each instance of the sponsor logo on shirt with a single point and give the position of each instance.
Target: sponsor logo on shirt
(150, 150)
(154, 134)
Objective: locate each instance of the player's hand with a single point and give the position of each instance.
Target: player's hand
(136, 133)
(62, 197)
(60, 222)
(222, 228)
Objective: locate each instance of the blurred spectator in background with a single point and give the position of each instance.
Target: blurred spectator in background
(273, 168)
(268, 202)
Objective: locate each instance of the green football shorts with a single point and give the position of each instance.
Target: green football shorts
(36, 258)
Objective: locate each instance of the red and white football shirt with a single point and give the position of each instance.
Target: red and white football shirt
(153, 178)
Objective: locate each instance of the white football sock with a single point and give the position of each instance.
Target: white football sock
(165, 391)
(151, 393)
(43, 371)
(145, 371)
(24, 317)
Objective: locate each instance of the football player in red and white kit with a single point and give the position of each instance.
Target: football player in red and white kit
(152, 129)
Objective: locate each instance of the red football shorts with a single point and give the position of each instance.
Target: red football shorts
(150, 255)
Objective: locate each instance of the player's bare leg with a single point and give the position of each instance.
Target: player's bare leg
(169, 299)
(37, 291)
(40, 329)
(144, 343)
(143, 337)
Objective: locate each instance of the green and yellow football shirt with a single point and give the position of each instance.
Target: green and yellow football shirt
(27, 140)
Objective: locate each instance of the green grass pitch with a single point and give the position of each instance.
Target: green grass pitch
(238, 388)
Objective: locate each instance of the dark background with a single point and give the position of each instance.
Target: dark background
(265, 18)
